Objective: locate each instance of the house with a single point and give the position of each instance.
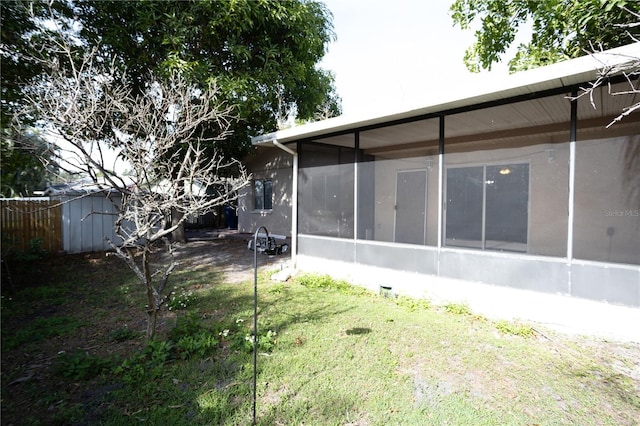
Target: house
(520, 186)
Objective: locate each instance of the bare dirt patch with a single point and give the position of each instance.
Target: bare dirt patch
(228, 251)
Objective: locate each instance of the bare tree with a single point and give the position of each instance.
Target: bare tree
(166, 138)
(628, 69)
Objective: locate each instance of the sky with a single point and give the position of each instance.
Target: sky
(394, 54)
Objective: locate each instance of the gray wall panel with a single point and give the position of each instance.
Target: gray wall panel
(411, 259)
(331, 249)
(523, 272)
(528, 274)
(609, 283)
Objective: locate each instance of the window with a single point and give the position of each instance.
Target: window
(262, 194)
(488, 207)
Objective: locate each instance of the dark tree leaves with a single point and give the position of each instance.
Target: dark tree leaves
(561, 29)
(261, 54)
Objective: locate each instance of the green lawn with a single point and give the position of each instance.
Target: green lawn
(329, 354)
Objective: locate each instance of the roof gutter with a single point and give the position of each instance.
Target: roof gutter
(284, 147)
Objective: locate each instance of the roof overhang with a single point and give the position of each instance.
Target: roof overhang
(557, 76)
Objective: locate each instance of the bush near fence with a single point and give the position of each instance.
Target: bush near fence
(24, 222)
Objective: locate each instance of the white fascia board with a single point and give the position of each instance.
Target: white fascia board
(561, 74)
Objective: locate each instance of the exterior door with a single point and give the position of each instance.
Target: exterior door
(411, 206)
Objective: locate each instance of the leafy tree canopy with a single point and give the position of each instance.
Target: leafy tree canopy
(262, 55)
(21, 171)
(561, 29)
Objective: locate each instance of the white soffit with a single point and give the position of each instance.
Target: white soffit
(567, 73)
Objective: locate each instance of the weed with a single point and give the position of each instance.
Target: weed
(327, 283)
(31, 254)
(189, 338)
(147, 364)
(267, 341)
(457, 308)
(412, 304)
(244, 342)
(186, 325)
(82, 366)
(199, 344)
(158, 351)
(515, 329)
(316, 281)
(276, 289)
(181, 299)
(123, 334)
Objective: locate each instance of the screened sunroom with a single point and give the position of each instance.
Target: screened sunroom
(523, 187)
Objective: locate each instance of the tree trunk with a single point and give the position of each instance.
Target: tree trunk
(152, 319)
(178, 236)
(152, 312)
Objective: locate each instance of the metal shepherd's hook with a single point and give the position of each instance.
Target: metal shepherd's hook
(255, 315)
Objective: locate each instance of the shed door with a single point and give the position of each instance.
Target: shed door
(411, 206)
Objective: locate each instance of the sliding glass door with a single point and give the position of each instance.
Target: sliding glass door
(487, 207)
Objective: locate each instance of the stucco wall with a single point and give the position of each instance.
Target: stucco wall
(274, 164)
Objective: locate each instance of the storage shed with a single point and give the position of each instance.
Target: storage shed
(89, 215)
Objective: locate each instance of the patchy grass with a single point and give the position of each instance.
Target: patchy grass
(515, 329)
(328, 354)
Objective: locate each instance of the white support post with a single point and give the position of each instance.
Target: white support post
(294, 201)
(294, 212)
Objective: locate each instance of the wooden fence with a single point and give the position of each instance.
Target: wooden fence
(26, 221)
